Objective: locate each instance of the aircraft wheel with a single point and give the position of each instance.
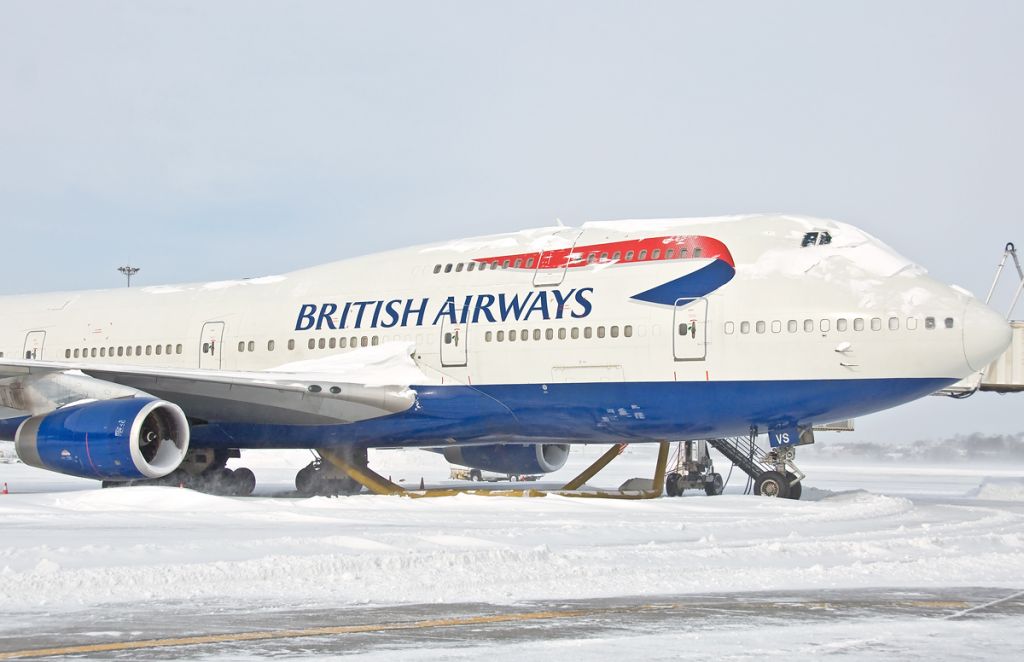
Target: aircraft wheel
(672, 485)
(771, 484)
(243, 482)
(475, 475)
(306, 481)
(794, 490)
(714, 487)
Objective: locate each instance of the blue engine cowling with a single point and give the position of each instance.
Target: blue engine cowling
(510, 458)
(121, 439)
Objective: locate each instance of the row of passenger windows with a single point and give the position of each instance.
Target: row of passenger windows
(344, 342)
(591, 258)
(549, 334)
(842, 324)
(121, 350)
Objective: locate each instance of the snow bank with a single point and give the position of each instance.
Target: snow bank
(1000, 489)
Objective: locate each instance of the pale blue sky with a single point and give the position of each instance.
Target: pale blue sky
(211, 140)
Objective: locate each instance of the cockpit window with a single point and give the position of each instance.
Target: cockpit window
(816, 239)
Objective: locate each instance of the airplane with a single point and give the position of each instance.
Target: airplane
(500, 351)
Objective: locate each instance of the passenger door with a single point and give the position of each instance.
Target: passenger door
(453, 342)
(554, 260)
(211, 346)
(33, 349)
(689, 331)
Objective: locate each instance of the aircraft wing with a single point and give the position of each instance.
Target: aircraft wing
(343, 388)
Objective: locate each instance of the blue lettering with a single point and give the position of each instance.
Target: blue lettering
(483, 305)
(561, 300)
(582, 300)
(344, 315)
(447, 310)
(418, 311)
(391, 314)
(305, 321)
(515, 306)
(326, 311)
(540, 302)
(376, 314)
(361, 305)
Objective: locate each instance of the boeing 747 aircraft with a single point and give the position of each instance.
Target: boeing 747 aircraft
(501, 351)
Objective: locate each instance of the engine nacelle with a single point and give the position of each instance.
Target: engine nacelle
(510, 458)
(122, 439)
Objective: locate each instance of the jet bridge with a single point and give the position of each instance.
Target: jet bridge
(1006, 373)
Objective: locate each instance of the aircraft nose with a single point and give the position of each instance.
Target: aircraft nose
(986, 335)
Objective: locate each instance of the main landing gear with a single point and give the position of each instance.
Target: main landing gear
(203, 470)
(693, 470)
(322, 478)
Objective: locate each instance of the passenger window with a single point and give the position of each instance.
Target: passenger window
(858, 324)
(561, 334)
(529, 263)
(617, 255)
(744, 327)
(447, 268)
(501, 336)
(894, 324)
(353, 342)
(363, 341)
(524, 335)
(291, 344)
(331, 343)
(825, 325)
(549, 334)
(177, 349)
(604, 257)
(471, 266)
(656, 254)
(128, 350)
(670, 253)
(697, 252)
(629, 256)
(252, 345)
(76, 354)
(642, 256)
(519, 263)
(437, 268)
(343, 342)
(488, 336)
(912, 324)
(159, 349)
(93, 351)
(588, 332)
(241, 347)
(536, 334)
(841, 324)
(270, 346)
(614, 331)
(776, 326)
(103, 351)
(792, 326)
(513, 336)
(575, 333)
(375, 340)
(322, 343)
(627, 331)
(760, 327)
(808, 326)
(600, 332)
(312, 343)
(949, 322)
(458, 267)
(929, 323)
(120, 351)
(876, 323)
(67, 353)
(730, 328)
(592, 258)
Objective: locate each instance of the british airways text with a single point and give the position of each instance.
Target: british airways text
(537, 305)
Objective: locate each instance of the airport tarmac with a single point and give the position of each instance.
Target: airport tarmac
(852, 623)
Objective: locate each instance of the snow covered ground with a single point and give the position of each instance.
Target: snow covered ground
(68, 548)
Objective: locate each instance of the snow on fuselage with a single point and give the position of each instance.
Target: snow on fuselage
(643, 330)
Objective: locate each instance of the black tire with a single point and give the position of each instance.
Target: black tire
(244, 482)
(672, 485)
(715, 486)
(794, 490)
(475, 475)
(307, 481)
(772, 484)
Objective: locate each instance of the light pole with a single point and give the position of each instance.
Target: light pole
(128, 272)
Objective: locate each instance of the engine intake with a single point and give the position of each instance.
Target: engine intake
(121, 439)
(510, 458)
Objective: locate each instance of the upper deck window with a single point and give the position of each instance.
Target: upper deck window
(819, 238)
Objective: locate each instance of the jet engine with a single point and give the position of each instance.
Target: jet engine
(120, 439)
(510, 458)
